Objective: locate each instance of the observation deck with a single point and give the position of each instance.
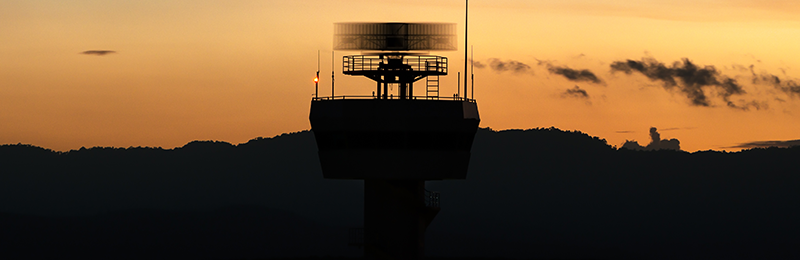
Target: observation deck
(416, 138)
(421, 65)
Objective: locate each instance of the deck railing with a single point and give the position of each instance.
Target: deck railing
(391, 98)
(427, 63)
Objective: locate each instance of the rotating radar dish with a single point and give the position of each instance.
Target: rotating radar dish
(395, 36)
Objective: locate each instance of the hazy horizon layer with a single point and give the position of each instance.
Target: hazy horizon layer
(652, 142)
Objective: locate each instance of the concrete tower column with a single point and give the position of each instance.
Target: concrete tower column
(395, 219)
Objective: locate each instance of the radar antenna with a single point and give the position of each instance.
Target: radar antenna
(392, 54)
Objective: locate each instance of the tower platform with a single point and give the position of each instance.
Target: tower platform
(394, 139)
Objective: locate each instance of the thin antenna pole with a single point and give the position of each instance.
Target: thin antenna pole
(472, 70)
(316, 79)
(332, 69)
(466, 50)
(458, 89)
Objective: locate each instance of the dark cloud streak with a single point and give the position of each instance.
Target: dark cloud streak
(764, 144)
(575, 75)
(510, 65)
(500, 66)
(478, 64)
(98, 52)
(689, 78)
(790, 87)
(576, 92)
(569, 73)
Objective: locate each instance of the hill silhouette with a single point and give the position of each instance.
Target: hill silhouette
(538, 193)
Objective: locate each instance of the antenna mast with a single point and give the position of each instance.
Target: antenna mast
(466, 50)
(316, 79)
(458, 88)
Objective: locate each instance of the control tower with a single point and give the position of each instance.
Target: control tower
(396, 138)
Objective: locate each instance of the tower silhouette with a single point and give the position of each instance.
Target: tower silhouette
(393, 139)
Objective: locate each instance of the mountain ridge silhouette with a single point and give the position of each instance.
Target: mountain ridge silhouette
(538, 193)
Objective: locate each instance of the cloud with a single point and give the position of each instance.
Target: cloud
(519, 67)
(690, 79)
(477, 64)
(757, 144)
(98, 52)
(575, 75)
(501, 66)
(576, 92)
(625, 132)
(656, 143)
(569, 73)
(510, 65)
(790, 87)
(675, 128)
(740, 68)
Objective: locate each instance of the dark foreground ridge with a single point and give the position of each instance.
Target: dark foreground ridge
(530, 194)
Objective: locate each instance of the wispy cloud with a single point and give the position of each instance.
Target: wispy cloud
(790, 87)
(575, 75)
(98, 52)
(701, 85)
(509, 65)
(571, 74)
(575, 92)
(689, 79)
(757, 144)
(477, 64)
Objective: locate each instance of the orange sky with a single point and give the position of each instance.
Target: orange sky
(236, 70)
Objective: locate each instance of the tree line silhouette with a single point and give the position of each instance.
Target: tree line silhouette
(537, 193)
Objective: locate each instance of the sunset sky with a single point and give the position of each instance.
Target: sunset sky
(160, 73)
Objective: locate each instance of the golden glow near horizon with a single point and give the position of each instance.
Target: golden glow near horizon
(162, 73)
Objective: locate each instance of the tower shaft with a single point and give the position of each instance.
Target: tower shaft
(395, 219)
